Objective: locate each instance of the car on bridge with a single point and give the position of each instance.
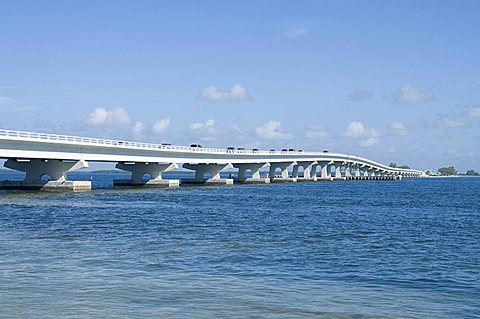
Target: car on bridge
(195, 146)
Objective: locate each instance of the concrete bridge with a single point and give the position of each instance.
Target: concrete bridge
(46, 158)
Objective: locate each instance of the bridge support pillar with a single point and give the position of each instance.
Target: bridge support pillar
(255, 169)
(382, 174)
(348, 171)
(284, 172)
(364, 171)
(307, 170)
(214, 171)
(139, 170)
(46, 174)
(325, 170)
(313, 171)
(357, 171)
(338, 172)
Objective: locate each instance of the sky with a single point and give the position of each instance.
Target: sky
(393, 81)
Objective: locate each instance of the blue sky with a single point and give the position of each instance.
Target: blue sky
(391, 81)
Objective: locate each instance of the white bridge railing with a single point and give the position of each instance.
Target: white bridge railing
(99, 141)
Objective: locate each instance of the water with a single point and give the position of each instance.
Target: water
(358, 249)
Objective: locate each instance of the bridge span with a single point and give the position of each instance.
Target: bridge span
(42, 155)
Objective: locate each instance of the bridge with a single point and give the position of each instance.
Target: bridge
(46, 159)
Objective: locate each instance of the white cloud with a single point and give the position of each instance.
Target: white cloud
(369, 142)
(316, 132)
(368, 136)
(236, 93)
(407, 94)
(398, 128)
(205, 131)
(450, 123)
(296, 31)
(138, 128)
(5, 100)
(272, 130)
(356, 129)
(209, 125)
(360, 95)
(161, 126)
(475, 111)
(103, 117)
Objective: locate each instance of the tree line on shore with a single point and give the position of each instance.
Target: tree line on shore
(452, 171)
(443, 171)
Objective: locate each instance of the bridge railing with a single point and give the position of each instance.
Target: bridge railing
(118, 143)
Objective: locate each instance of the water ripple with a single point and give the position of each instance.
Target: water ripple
(407, 249)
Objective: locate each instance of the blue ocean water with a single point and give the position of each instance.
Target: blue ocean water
(353, 249)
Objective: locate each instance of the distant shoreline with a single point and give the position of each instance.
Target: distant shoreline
(441, 176)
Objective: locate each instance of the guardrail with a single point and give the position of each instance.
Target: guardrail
(98, 141)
